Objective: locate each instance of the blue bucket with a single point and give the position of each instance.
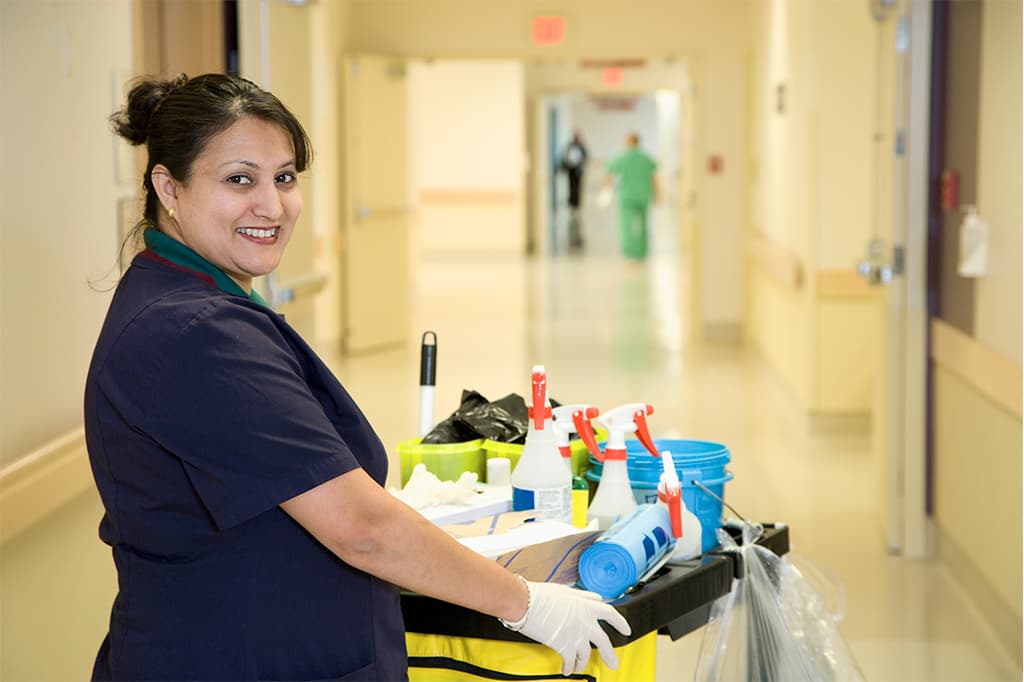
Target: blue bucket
(695, 460)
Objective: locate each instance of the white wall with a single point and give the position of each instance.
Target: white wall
(63, 67)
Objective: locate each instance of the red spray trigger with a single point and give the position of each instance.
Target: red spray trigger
(672, 497)
(640, 419)
(539, 411)
(586, 434)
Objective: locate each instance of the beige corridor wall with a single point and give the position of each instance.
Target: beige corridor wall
(978, 439)
(998, 294)
(716, 36)
(468, 151)
(818, 197)
(63, 67)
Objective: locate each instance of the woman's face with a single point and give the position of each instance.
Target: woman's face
(239, 207)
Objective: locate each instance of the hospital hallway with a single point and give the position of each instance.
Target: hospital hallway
(609, 332)
(808, 299)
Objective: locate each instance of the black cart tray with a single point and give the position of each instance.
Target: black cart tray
(676, 601)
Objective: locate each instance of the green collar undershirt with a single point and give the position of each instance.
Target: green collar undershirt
(179, 254)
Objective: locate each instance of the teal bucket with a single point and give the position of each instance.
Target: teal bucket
(695, 460)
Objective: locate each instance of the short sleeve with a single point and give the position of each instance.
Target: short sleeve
(231, 402)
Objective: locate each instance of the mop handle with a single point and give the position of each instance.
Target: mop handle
(428, 377)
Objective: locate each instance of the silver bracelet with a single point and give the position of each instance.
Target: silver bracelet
(518, 625)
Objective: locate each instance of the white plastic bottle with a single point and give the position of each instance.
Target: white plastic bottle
(614, 497)
(540, 480)
(686, 527)
(570, 419)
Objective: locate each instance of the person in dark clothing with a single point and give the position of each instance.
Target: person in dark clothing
(574, 161)
(242, 486)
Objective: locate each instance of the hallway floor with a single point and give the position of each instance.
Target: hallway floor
(611, 332)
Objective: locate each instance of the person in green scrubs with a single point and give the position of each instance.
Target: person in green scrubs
(637, 186)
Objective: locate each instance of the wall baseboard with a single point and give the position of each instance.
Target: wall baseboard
(37, 484)
(1006, 625)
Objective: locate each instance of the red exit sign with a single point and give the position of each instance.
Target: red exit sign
(547, 30)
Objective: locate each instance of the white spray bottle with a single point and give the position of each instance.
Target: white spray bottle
(614, 496)
(571, 419)
(540, 481)
(686, 527)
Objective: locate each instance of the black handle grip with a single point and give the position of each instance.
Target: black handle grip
(428, 360)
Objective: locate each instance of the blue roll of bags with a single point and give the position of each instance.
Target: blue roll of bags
(617, 560)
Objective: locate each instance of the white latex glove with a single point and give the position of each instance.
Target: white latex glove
(566, 619)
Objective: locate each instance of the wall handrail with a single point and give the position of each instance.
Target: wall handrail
(783, 265)
(987, 370)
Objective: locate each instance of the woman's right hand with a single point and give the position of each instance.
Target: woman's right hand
(566, 619)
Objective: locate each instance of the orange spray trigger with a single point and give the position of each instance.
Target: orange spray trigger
(642, 433)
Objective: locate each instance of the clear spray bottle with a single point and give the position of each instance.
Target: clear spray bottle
(540, 480)
(570, 419)
(614, 497)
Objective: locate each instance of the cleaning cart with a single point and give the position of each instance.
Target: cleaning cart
(448, 642)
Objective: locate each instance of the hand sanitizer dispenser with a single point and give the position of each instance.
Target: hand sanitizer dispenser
(973, 256)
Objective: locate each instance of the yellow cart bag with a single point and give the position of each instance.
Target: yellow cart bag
(442, 658)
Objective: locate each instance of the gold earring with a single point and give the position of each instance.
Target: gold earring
(170, 213)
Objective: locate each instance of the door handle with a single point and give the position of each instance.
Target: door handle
(876, 268)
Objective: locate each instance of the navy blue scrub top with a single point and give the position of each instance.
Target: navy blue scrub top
(204, 411)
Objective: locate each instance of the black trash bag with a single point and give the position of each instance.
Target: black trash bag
(505, 420)
(452, 430)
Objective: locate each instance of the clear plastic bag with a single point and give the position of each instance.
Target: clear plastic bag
(779, 622)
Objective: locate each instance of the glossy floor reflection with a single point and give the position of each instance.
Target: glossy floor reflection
(611, 331)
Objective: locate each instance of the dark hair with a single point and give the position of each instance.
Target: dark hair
(176, 118)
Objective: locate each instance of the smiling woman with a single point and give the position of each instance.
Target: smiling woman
(241, 484)
(241, 202)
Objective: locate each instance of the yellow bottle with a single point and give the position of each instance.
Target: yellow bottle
(580, 500)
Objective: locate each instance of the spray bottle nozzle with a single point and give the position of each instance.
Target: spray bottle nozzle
(671, 493)
(569, 419)
(540, 410)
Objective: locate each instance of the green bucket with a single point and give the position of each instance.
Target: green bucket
(447, 461)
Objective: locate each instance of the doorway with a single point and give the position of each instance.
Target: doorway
(600, 122)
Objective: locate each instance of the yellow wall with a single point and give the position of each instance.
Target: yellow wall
(977, 457)
(780, 320)
(978, 499)
(63, 66)
(714, 36)
(814, 197)
(998, 294)
(468, 154)
(329, 41)
(846, 336)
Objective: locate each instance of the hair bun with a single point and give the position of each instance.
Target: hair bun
(146, 95)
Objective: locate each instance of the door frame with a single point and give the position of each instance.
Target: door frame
(909, 528)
